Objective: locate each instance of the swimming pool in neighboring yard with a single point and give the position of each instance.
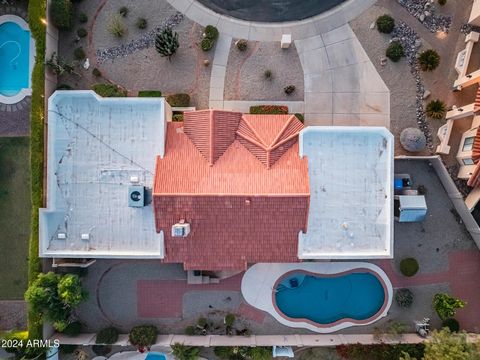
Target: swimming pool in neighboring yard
(16, 59)
(328, 299)
(155, 356)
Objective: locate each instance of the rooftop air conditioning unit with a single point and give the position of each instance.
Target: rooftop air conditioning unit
(136, 196)
(181, 229)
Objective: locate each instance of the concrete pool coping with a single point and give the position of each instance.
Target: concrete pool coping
(260, 280)
(263, 31)
(9, 100)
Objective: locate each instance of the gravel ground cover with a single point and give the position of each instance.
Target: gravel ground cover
(132, 61)
(245, 78)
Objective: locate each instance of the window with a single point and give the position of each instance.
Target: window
(468, 143)
(468, 161)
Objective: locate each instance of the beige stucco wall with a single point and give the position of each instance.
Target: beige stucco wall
(475, 13)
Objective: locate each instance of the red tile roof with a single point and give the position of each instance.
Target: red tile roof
(239, 210)
(476, 107)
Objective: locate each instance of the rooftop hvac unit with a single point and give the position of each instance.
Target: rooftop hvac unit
(181, 229)
(136, 196)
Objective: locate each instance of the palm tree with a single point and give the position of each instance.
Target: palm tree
(166, 42)
(429, 60)
(436, 109)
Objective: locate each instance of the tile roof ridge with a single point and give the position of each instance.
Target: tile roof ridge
(254, 131)
(211, 134)
(280, 133)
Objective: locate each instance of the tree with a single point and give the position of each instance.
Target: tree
(166, 42)
(183, 352)
(436, 109)
(59, 66)
(429, 60)
(446, 305)
(385, 24)
(445, 345)
(54, 297)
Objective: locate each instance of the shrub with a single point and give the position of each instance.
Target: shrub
(143, 336)
(101, 350)
(166, 43)
(242, 44)
(442, 2)
(141, 23)
(269, 109)
(82, 17)
(68, 349)
(177, 117)
(190, 330)
(452, 324)
(149, 93)
(62, 12)
(123, 11)
(395, 51)
(109, 90)
(404, 298)
(73, 329)
(211, 32)
(436, 109)
(202, 323)
(429, 60)
(385, 24)
(82, 32)
(289, 89)
(223, 352)
(96, 72)
(300, 117)
(229, 320)
(267, 74)
(259, 353)
(115, 26)
(79, 53)
(108, 335)
(409, 267)
(207, 44)
(182, 352)
(446, 306)
(64, 87)
(179, 100)
(58, 66)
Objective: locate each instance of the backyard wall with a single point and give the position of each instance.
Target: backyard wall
(51, 46)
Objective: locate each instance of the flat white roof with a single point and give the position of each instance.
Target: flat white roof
(351, 193)
(95, 146)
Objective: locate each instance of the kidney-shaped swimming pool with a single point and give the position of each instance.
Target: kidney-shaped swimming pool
(321, 299)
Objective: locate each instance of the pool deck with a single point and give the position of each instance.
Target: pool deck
(260, 280)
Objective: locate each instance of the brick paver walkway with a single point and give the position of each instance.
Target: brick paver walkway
(462, 276)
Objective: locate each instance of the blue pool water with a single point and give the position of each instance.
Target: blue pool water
(14, 58)
(155, 356)
(325, 300)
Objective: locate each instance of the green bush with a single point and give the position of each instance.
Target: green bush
(82, 17)
(62, 13)
(141, 23)
(429, 60)
(385, 24)
(73, 329)
(267, 74)
(64, 87)
(166, 43)
(179, 100)
(259, 353)
(409, 267)
(79, 53)
(229, 320)
(436, 109)
(289, 89)
(123, 11)
(115, 26)
(207, 44)
(300, 117)
(109, 90)
(404, 298)
(108, 335)
(211, 32)
(68, 349)
(269, 109)
(177, 117)
(36, 12)
(442, 2)
(82, 32)
(150, 93)
(452, 324)
(101, 350)
(96, 72)
(182, 352)
(242, 44)
(395, 51)
(446, 306)
(143, 336)
(190, 330)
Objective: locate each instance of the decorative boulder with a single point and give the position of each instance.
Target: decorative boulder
(413, 140)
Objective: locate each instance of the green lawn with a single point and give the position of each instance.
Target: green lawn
(15, 208)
